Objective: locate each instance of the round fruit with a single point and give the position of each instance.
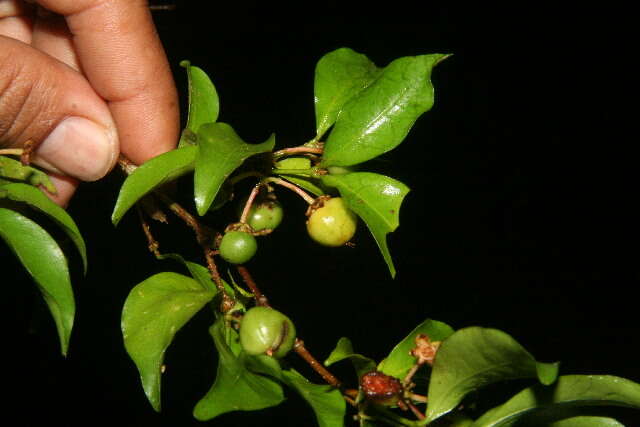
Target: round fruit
(380, 388)
(264, 330)
(238, 247)
(265, 215)
(333, 224)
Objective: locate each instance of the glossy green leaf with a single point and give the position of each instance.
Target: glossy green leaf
(327, 402)
(399, 361)
(302, 180)
(236, 388)
(199, 272)
(344, 350)
(568, 392)
(204, 104)
(35, 198)
(152, 174)
(376, 199)
(153, 312)
(380, 116)
(14, 170)
(339, 76)
(586, 421)
(475, 357)
(42, 257)
(221, 152)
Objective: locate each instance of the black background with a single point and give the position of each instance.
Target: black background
(520, 215)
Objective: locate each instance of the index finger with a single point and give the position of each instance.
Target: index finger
(121, 55)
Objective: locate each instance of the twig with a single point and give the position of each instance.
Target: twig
(202, 234)
(302, 351)
(11, 152)
(153, 246)
(261, 300)
(295, 150)
(307, 198)
(247, 205)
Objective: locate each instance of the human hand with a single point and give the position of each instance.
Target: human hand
(84, 80)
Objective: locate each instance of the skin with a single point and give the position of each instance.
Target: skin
(99, 60)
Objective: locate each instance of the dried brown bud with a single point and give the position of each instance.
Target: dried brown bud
(425, 349)
(380, 388)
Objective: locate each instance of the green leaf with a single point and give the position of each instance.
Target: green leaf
(14, 170)
(339, 76)
(568, 392)
(33, 197)
(199, 272)
(235, 388)
(586, 421)
(472, 358)
(204, 104)
(344, 350)
(44, 260)
(327, 402)
(152, 174)
(302, 180)
(221, 152)
(400, 361)
(153, 312)
(376, 199)
(380, 116)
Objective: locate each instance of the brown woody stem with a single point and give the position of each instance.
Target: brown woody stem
(307, 198)
(315, 365)
(296, 150)
(153, 246)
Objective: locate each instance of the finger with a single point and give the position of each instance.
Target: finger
(49, 103)
(65, 187)
(15, 20)
(51, 35)
(121, 55)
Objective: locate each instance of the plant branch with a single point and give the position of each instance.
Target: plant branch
(153, 246)
(11, 152)
(261, 300)
(296, 150)
(307, 198)
(247, 205)
(302, 351)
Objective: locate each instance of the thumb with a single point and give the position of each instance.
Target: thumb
(49, 103)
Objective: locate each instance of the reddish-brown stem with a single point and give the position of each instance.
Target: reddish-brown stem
(261, 300)
(250, 199)
(296, 150)
(153, 246)
(227, 301)
(415, 411)
(202, 234)
(329, 378)
(27, 150)
(307, 198)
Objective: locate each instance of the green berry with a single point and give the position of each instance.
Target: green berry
(333, 224)
(265, 215)
(238, 247)
(264, 330)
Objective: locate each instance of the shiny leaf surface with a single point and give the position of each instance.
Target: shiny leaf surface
(379, 117)
(327, 402)
(376, 199)
(14, 170)
(344, 350)
(568, 392)
(43, 259)
(221, 152)
(204, 104)
(153, 312)
(36, 199)
(475, 357)
(235, 388)
(399, 361)
(155, 172)
(339, 76)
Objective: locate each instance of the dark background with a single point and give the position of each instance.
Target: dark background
(519, 216)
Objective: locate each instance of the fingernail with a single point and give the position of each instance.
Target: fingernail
(80, 148)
